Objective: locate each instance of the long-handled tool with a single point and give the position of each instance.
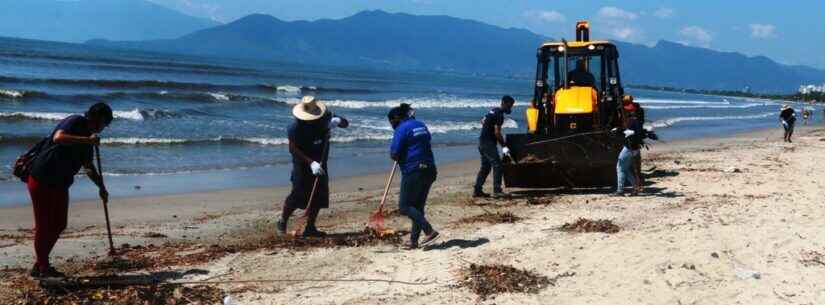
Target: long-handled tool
(105, 205)
(377, 218)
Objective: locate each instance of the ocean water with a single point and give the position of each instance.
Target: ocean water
(186, 123)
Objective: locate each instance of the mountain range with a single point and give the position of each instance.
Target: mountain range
(81, 20)
(403, 41)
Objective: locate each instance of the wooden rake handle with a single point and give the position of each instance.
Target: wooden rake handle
(387, 188)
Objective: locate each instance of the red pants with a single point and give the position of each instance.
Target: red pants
(51, 210)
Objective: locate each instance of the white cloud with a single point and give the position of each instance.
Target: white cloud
(763, 30)
(617, 13)
(664, 13)
(195, 8)
(547, 16)
(697, 36)
(624, 33)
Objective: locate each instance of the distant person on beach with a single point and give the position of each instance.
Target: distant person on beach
(69, 148)
(632, 134)
(491, 136)
(805, 114)
(580, 76)
(411, 148)
(309, 137)
(787, 117)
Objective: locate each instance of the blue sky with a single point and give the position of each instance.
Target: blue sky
(791, 31)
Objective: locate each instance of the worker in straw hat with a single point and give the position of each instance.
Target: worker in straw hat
(309, 137)
(787, 116)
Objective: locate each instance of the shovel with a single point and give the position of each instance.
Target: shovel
(105, 205)
(377, 218)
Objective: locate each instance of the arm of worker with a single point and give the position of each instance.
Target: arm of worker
(338, 122)
(499, 135)
(399, 144)
(295, 151)
(97, 179)
(62, 137)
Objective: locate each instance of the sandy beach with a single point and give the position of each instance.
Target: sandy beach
(731, 220)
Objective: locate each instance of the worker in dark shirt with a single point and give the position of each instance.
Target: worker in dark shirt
(787, 116)
(632, 144)
(580, 77)
(491, 137)
(637, 159)
(52, 174)
(309, 137)
(412, 150)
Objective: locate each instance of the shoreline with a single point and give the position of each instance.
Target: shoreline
(148, 209)
(277, 177)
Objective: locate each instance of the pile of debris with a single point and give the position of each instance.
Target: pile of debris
(584, 225)
(20, 289)
(812, 258)
(492, 218)
(487, 280)
(541, 200)
(155, 257)
(531, 158)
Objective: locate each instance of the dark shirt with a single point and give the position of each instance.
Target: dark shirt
(640, 112)
(493, 118)
(582, 78)
(788, 115)
(309, 137)
(634, 142)
(411, 143)
(57, 164)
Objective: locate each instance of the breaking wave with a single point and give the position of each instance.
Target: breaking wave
(420, 103)
(133, 115)
(672, 121)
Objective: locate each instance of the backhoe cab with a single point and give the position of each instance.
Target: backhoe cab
(577, 101)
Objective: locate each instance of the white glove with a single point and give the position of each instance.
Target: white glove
(628, 133)
(334, 122)
(317, 169)
(784, 123)
(505, 150)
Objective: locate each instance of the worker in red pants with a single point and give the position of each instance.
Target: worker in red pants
(69, 148)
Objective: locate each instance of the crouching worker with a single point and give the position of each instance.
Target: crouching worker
(411, 149)
(631, 148)
(309, 137)
(69, 148)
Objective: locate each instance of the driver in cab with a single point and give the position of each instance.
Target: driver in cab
(579, 77)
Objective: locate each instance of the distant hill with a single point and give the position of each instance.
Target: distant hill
(406, 41)
(367, 38)
(81, 20)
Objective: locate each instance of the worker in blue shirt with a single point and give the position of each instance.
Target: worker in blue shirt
(412, 150)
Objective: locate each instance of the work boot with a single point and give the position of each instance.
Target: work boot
(409, 246)
(430, 238)
(480, 194)
(313, 232)
(501, 195)
(281, 226)
(49, 272)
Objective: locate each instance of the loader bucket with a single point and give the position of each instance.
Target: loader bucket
(582, 160)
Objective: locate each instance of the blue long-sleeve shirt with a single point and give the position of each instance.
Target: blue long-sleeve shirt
(411, 143)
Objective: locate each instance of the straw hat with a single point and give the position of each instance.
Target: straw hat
(309, 109)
